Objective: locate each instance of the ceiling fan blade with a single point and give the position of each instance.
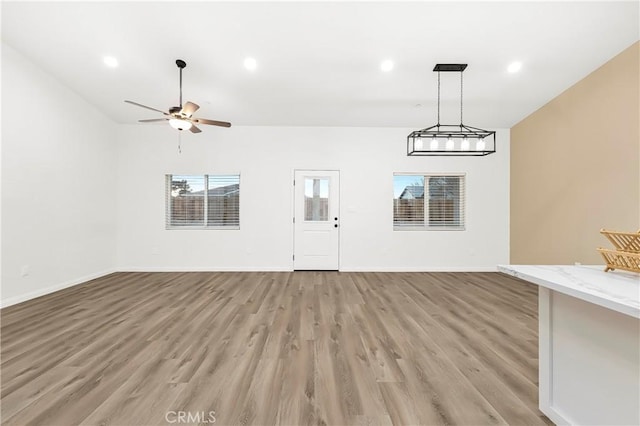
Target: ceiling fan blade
(211, 122)
(153, 120)
(189, 108)
(144, 106)
(194, 129)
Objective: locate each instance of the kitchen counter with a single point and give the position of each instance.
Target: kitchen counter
(589, 342)
(616, 290)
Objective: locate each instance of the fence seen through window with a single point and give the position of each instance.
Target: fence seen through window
(203, 201)
(441, 207)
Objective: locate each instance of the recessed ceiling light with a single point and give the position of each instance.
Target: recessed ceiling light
(110, 61)
(386, 65)
(250, 64)
(514, 66)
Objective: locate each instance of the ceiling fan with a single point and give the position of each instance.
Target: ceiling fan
(181, 117)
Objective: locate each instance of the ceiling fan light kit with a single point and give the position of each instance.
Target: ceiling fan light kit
(451, 139)
(180, 124)
(181, 117)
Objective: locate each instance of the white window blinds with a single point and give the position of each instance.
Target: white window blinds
(203, 201)
(446, 201)
(223, 207)
(429, 202)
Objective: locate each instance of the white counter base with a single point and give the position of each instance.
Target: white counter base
(589, 353)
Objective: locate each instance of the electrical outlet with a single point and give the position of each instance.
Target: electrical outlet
(24, 271)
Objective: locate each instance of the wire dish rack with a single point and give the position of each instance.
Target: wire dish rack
(626, 255)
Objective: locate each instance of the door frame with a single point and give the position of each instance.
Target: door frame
(293, 211)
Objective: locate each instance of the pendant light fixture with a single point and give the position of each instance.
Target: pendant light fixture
(451, 139)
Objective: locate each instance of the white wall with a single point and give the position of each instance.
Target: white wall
(82, 196)
(266, 157)
(58, 193)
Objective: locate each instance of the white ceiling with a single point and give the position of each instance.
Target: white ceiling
(319, 62)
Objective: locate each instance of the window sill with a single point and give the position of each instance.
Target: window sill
(429, 228)
(203, 228)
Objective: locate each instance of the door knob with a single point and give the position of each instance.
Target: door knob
(335, 218)
(335, 226)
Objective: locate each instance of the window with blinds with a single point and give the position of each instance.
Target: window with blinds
(428, 202)
(203, 201)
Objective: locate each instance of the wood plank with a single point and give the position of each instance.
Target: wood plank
(268, 348)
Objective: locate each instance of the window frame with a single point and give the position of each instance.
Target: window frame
(425, 226)
(168, 199)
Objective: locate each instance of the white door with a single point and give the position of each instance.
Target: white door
(316, 220)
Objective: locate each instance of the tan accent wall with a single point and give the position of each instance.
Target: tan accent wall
(575, 167)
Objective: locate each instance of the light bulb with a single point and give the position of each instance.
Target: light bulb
(386, 65)
(450, 144)
(251, 64)
(417, 145)
(110, 61)
(465, 144)
(180, 124)
(434, 144)
(480, 146)
(514, 67)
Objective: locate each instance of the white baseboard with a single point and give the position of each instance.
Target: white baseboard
(289, 269)
(43, 291)
(556, 417)
(204, 269)
(421, 269)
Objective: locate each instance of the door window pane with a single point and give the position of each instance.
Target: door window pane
(316, 199)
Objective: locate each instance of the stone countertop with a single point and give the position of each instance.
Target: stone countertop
(616, 290)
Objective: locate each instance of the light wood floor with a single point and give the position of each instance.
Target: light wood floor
(269, 348)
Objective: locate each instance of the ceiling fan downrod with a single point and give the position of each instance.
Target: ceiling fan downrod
(181, 64)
